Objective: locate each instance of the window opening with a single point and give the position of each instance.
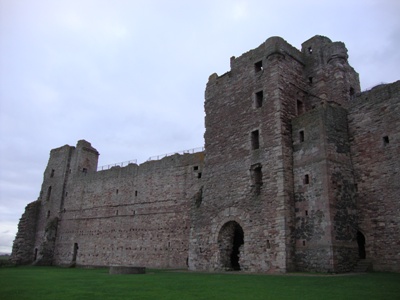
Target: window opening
(255, 140)
(258, 66)
(52, 173)
(117, 191)
(300, 107)
(268, 245)
(310, 50)
(199, 175)
(195, 168)
(310, 79)
(259, 97)
(48, 193)
(304, 243)
(48, 214)
(256, 176)
(84, 170)
(306, 212)
(306, 179)
(351, 93)
(385, 140)
(36, 253)
(136, 193)
(301, 136)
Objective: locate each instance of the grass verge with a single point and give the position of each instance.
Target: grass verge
(59, 283)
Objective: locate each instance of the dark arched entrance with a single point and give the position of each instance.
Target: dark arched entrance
(35, 255)
(75, 253)
(361, 245)
(230, 242)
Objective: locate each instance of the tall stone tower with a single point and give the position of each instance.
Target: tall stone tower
(275, 140)
(40, 227)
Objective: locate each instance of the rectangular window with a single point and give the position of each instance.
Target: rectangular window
(258, 66)
(48, 193)
(256, 177)
(259, 98)
(52, 173)
(300, 107)
(385, 140)
(301, 136)
(306, 179)
(255, 140)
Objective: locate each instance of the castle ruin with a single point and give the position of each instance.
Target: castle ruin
(300, 172)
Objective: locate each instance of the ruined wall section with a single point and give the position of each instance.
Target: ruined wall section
(51, 196)
(253, 134)
(136, 215)
(326, 218)
(328, 73)
(22, 251)
(375, 143)
(85, 159)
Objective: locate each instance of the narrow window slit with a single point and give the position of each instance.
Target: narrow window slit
(301, 136)
(300, 107)
(255, 140)
(259, 97)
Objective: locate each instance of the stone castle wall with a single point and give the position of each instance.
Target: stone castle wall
(326, 218)
(375, 135)
(136, 215)
(253, 138)
(300, 172)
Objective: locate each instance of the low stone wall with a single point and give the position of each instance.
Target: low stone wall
(127, 270)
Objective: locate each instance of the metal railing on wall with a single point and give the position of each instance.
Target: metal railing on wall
(190, 151)
(157, 157)
(120, 164)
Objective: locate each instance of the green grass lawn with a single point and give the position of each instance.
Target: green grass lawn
(58, 283)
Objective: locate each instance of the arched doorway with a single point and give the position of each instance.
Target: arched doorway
(35, 255)
(361, 245)
(230, 242)
(75, 253)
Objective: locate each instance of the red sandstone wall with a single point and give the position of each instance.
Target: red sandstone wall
(326, 216)
(136, 215)
(372, 117)
(230, 195)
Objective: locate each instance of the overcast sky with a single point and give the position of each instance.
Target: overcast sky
(129, 76)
